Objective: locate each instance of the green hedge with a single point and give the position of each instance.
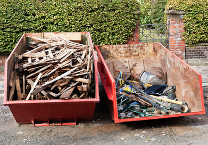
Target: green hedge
(152, 12)
(196, 19)
(108, 21)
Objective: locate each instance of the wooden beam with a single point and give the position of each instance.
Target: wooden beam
(18, 88)
(33, 87)
(56, 79)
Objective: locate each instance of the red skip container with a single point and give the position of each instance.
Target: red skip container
(137, 57)
(50, 112)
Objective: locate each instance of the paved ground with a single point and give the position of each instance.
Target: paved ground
(192, 130)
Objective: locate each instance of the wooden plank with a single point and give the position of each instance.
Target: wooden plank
(37, 49)
(56, 79)
(37, 59)
(29, 60)
(36, 39)
(50, 53)
(40, 70)
(43, 54)
(33, 87)
(88, 62)
(12, 79)
(12, 84)
(18, 88)
(82, 80)
(81, 96)
(23, 85)
(67, 94)
(69, 36)
(43, 92)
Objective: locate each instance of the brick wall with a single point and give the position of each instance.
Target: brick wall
(197, 52)
(134, 39)
(2, 59)
(176, 28)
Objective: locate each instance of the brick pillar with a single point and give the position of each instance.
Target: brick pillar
(176, 28)
(134, 39)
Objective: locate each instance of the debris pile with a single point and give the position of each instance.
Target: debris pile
(146, 95)
(53, 68)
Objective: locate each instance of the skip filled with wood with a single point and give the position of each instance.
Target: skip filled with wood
(53, 68)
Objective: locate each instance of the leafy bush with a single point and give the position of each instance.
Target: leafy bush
(108, 21)
(145, 10)
(152, 12)
(196, 19)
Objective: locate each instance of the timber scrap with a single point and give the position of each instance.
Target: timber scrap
(53, 68)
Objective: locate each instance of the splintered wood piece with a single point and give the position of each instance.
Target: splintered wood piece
(72, 43)
(79, 60)
(53, 94)
(82, 80)
(59, 66)
(33, 68)
(61, 83)
(58, 43)
(23, 84)
(88, 62)
(80, 74)
(12, 84)
(18, 88)
(92, 67)
(81, 96)
(43, 92)
(69, 54)
(50, 53)
(33, 87)
(67, 94)
(82, 88)
(43, 54)
(12, 79)
(41, 62)
(40, 97)
(78, 71)
(59, 88)
(38, 49)
(83, 54)
(36, 39)
(56, 79)
(44, 57)
(16, 66)
(19, 57)
(62, 53)
(37, 59)
(40, 70)
(75, 96)
(29, 60)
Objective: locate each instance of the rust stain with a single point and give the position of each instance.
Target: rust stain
(144, 55)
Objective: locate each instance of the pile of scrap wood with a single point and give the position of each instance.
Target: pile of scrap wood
(52, 68)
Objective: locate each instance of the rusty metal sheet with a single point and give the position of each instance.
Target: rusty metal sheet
(142, 56)
(127, 51)
(183, 76)
(136, 66)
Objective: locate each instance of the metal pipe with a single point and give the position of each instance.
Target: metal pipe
(168, 100)
(149, 101)
(180, 108)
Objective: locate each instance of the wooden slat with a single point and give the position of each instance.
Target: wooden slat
(18, 88)
(33, 87)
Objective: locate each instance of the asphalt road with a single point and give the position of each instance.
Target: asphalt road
(190, 130)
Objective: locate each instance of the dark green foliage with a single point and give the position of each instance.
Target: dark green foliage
(157, 11)
(196, 19)
(108, 21)
(152, 11)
